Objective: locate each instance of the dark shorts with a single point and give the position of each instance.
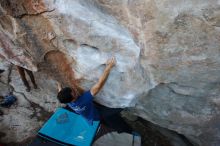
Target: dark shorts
(106, 111)
(111, 117)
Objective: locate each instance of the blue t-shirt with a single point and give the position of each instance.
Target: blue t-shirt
(84, 106)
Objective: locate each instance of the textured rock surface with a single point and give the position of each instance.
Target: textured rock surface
(168, 54)
(23, 119)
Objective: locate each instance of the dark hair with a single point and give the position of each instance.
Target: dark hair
(65, 96)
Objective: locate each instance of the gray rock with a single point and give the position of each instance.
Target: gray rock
(168, 56)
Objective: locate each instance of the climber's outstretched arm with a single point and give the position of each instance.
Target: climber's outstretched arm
(98, 86)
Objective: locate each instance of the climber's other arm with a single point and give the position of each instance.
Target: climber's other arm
(59, 86)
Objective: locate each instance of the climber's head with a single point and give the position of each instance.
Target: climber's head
(67, 95)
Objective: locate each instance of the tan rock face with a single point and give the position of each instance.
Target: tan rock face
(168, 54)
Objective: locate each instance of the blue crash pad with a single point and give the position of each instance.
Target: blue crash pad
(67, 128)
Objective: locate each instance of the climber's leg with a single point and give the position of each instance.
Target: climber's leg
(31, 75)
(23, 78)
(111, 118)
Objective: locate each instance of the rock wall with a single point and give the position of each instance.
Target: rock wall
(168, 54)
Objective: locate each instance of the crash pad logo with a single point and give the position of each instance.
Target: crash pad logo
(62, 118)
(81, 136)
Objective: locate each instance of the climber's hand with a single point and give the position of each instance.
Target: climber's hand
(111, 62)
(59, 86)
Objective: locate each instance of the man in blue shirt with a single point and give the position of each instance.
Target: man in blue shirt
(82, 102)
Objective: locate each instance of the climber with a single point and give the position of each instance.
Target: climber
(82, 103)
(21, 71)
